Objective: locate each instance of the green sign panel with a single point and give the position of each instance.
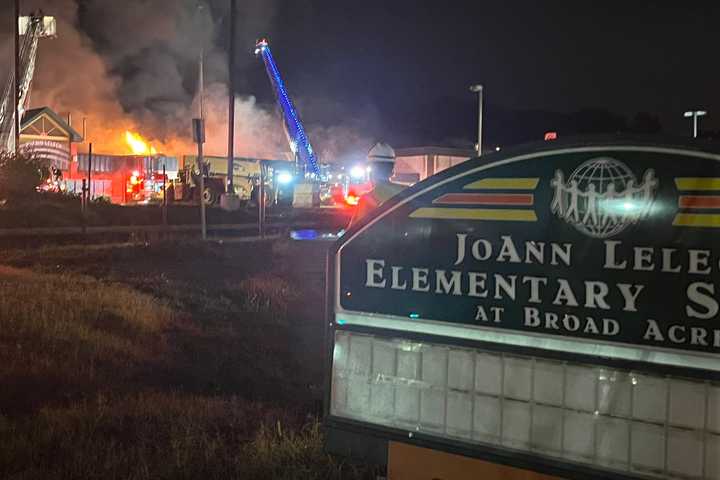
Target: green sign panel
(608, 243)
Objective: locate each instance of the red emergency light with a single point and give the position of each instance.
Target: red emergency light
(551, 136)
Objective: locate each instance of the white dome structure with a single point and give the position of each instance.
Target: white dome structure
(381, 152)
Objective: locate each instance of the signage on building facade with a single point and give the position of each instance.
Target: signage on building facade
(608, 243)
(56, 153)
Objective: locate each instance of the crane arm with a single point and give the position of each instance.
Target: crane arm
(299, 142)
(31, 29)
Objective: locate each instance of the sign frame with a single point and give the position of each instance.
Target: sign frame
(546, 465)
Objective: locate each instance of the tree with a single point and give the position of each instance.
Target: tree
(20, 175)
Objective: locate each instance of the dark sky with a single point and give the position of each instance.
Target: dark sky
(402, 69)
(393, 70)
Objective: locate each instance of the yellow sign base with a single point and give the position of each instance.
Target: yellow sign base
(407, 462)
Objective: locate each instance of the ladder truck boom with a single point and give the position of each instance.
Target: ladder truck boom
(32, 28)
(299, 142)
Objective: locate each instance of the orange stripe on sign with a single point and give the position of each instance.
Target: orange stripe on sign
(485, 199)
(490, 214)
(699, 201)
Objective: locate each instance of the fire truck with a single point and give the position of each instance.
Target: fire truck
(317, 183)
(121, 179)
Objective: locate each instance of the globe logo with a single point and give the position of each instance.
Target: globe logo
(602, 197)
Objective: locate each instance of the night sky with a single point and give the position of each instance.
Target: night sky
(397, 71)
(402, 69)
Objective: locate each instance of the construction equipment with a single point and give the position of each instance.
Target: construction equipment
(245, 173)
(32, 29)
(277, 176)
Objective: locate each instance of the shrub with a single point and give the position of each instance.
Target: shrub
(102, 201)
(20, 175)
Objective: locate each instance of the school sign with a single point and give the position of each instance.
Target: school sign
(553, 309)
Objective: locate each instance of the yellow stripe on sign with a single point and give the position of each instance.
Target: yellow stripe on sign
(697, 183)
(504, 184)
(697, 220)
(499, 215)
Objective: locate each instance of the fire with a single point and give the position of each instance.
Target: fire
(138, 145)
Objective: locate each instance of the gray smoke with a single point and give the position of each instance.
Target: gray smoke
(132, 65)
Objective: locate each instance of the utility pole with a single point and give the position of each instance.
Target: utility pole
(89, 172)
(86, 191)
(695, 114)
(16, 87)
(199, 138)
(479, 90)
(231, 106)
(201, 84)
(261, 201)
(198, 125)
(164, 198)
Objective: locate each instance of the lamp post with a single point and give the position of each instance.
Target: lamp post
(16, 71)
(230, 189)
(695, 114)
(479, 90)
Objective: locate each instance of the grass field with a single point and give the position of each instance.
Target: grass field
(161, 361)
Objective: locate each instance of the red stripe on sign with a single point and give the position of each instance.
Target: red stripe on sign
(486, 199)
(699, 201)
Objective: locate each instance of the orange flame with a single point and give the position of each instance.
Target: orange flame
(138, 145)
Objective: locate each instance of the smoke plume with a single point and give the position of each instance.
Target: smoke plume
(133, 65)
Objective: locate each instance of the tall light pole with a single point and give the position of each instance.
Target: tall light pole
(16, 86)
(479, 90)
(229, 200)
(695, 114)
(231, 106)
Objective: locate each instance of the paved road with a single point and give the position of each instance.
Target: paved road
(277, 225)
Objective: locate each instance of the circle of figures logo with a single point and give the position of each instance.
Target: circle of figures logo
(602, 197)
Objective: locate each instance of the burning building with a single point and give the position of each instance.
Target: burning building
(121, 179)
(47, 135)
(136, 176)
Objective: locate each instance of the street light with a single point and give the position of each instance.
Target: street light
(695, 114)
(479, 90)
(16, 78)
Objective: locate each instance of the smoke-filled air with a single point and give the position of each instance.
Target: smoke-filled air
(133, 67)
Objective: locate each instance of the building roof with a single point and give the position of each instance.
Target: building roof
(32, 115)
(435, 150)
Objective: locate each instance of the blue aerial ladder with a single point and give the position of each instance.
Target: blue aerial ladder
(299, 142)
